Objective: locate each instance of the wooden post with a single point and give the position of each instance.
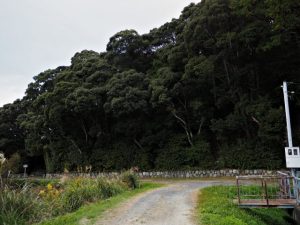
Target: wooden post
(262, 189)
(238, 190)
(266, 192)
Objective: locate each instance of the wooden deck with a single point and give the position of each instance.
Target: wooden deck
(260, 203)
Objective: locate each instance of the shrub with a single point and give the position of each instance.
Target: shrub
(34, 203)
(109, 188)
(78, 191)
(14, 162)
(17, 207)
(130, 179)
(51, 196)
(243, 155)
(177, 154)
(81, 190)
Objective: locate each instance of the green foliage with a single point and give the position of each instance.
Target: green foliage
(79, 191)
(216, 207)
(130, 179)
(38, 200)
(92, 212)
(13, 164)
(178, 154)
(201, 91)
(20, 207)
(19, 183)
(108, 188)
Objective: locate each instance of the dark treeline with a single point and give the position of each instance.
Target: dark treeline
(202, 91)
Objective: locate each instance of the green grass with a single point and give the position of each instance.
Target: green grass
(257, 191)
(215, 207)
(93, 211)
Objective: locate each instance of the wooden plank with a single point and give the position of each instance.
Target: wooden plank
(269, 203)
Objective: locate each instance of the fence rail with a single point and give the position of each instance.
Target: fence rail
(267, 191)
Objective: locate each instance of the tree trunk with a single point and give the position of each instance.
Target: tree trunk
(200, 126)
(227, 72)
(84, 130)
(138, 144)
(184, 125)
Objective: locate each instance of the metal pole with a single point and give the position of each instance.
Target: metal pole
(289, 131)
(287, 114)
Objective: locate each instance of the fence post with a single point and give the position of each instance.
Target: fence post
(262, 189)
(238, 189)
(266, 192)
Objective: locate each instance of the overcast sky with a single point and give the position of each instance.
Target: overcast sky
(36, 35)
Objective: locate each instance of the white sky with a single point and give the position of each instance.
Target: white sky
(36, 35)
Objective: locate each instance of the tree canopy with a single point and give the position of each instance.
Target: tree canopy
(201, 91)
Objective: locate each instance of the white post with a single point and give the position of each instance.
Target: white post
(289, 131)
(25, 167)
(287, 114)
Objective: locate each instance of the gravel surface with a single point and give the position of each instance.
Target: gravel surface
(170, 205)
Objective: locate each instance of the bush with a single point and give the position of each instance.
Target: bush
(42, 200)
(178, 155)
(19, 207)
(130, 179)
(81, 190)
(14, 163)
(77, 192)
(109, 188)
(243, 155)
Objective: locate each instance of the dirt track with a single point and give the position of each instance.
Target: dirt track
(170, 205)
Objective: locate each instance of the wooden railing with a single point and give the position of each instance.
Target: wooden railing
(268, 191)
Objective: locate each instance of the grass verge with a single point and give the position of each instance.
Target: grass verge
(215, 207)
(93, 211)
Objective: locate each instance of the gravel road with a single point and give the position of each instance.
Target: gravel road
(170, 205)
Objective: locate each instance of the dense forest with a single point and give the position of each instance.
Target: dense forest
(201, 91)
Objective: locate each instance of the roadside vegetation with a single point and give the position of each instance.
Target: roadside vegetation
(91, 212)
(216, 207)
(36, 201)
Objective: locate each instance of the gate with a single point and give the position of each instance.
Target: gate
(280, 191)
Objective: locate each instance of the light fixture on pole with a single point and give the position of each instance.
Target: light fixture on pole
(25, 166)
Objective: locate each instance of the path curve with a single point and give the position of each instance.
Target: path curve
(170, 205)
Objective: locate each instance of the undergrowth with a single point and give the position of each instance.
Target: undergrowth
(29, 201)
(90, 213)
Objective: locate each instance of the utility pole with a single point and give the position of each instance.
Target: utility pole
(287, 114)
(291, 160)
(290, 139)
